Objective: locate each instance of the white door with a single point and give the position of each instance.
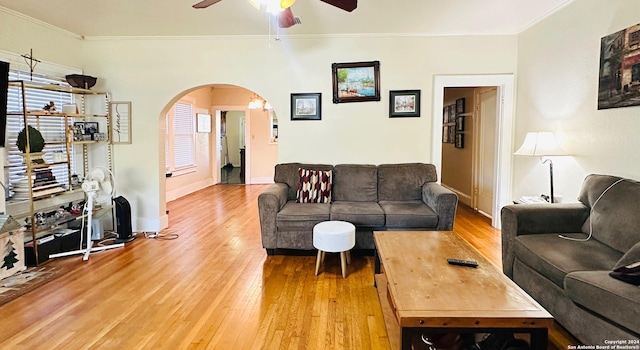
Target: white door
(486, 150)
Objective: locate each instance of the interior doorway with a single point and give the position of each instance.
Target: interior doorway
(505, 85)
(232, 146)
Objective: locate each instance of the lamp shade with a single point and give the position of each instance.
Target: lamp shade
(540, 144)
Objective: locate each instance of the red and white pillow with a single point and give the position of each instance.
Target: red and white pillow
(314, 186)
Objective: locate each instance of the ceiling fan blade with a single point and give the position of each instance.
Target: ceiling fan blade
(286, 19)
(347, 5)
(205, 3)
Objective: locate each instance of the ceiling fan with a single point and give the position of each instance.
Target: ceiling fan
(283, 8)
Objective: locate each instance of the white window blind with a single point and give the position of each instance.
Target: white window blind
(52, 128)
(180, 135)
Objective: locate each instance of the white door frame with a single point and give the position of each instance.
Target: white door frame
(247, 152)
(504, 128)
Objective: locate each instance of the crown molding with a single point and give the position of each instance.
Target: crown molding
(40, 23)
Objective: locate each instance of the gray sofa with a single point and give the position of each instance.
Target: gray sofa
(570, 278)
(389, 196)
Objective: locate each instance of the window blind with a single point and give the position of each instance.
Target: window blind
(182, 137)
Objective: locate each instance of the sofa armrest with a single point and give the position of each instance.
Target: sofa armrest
(269, 204)
(527, 219)
(443, 202)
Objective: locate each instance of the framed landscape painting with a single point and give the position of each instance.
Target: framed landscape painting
(306, 106)
(404, 103)
(356, 82)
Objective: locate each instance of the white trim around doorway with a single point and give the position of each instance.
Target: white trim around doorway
(504, 147)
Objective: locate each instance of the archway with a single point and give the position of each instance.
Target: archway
(260, 150)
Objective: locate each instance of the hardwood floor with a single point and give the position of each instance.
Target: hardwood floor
(212, 288)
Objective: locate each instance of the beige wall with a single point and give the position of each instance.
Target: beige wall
(557, 88)
(347, 133)
(153, 72)
(457, 169)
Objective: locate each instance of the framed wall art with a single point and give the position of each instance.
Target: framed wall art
(459, 142)
(356, 82)
(460, 124)
(619, 74)
(460, 106)
(306, 106)
(404, 103)
(120, 122)
(203, 122)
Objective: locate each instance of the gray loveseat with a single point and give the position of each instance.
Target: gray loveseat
(570, 278)
(389, 196)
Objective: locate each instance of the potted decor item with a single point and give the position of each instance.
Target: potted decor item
(36, 143)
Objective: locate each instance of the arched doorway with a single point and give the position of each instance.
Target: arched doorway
(207, 102)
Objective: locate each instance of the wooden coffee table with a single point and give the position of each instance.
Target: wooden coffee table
(421, 293)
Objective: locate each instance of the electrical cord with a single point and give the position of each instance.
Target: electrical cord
(161, 236)
(591, 212)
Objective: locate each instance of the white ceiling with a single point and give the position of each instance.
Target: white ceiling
(238, 17)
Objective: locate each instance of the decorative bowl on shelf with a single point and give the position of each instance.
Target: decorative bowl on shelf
(81, 81)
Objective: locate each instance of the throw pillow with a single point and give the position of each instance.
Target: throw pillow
(628, 267)
(314, 186)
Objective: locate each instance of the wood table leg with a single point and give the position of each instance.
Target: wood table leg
(348, 257)
(318, 258)
(343, 258)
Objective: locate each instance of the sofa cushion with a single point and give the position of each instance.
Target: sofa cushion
(358, 213)
(408, 214)
(314, 186)
(355, 183)
(288, 173)
(603, 295)
(554, 257)
(302, 212)
(614, 218)
(400, 182)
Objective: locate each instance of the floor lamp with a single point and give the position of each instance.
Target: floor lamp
(542, 144)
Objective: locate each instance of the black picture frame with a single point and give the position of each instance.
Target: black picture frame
(91, 128)
(459, 142)
(356, 81)
(460, 123)
(404, 103)
(460, 105)
(306, 106)
(78, 131)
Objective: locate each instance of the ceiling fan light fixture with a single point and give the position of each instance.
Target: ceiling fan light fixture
(286, 3)
(255, 102)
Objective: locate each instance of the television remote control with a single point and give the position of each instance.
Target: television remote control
(468, 263)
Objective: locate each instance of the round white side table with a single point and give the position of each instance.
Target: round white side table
(334, 237)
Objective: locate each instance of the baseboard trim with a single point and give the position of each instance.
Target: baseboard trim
(188, 189)
(261, 180)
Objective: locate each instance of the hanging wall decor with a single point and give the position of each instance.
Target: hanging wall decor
(619, 77)
(356, 82)
(120, 122)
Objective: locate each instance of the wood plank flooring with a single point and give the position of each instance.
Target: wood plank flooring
(212, 288)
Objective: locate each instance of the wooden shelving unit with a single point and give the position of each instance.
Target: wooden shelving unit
(39, 199)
